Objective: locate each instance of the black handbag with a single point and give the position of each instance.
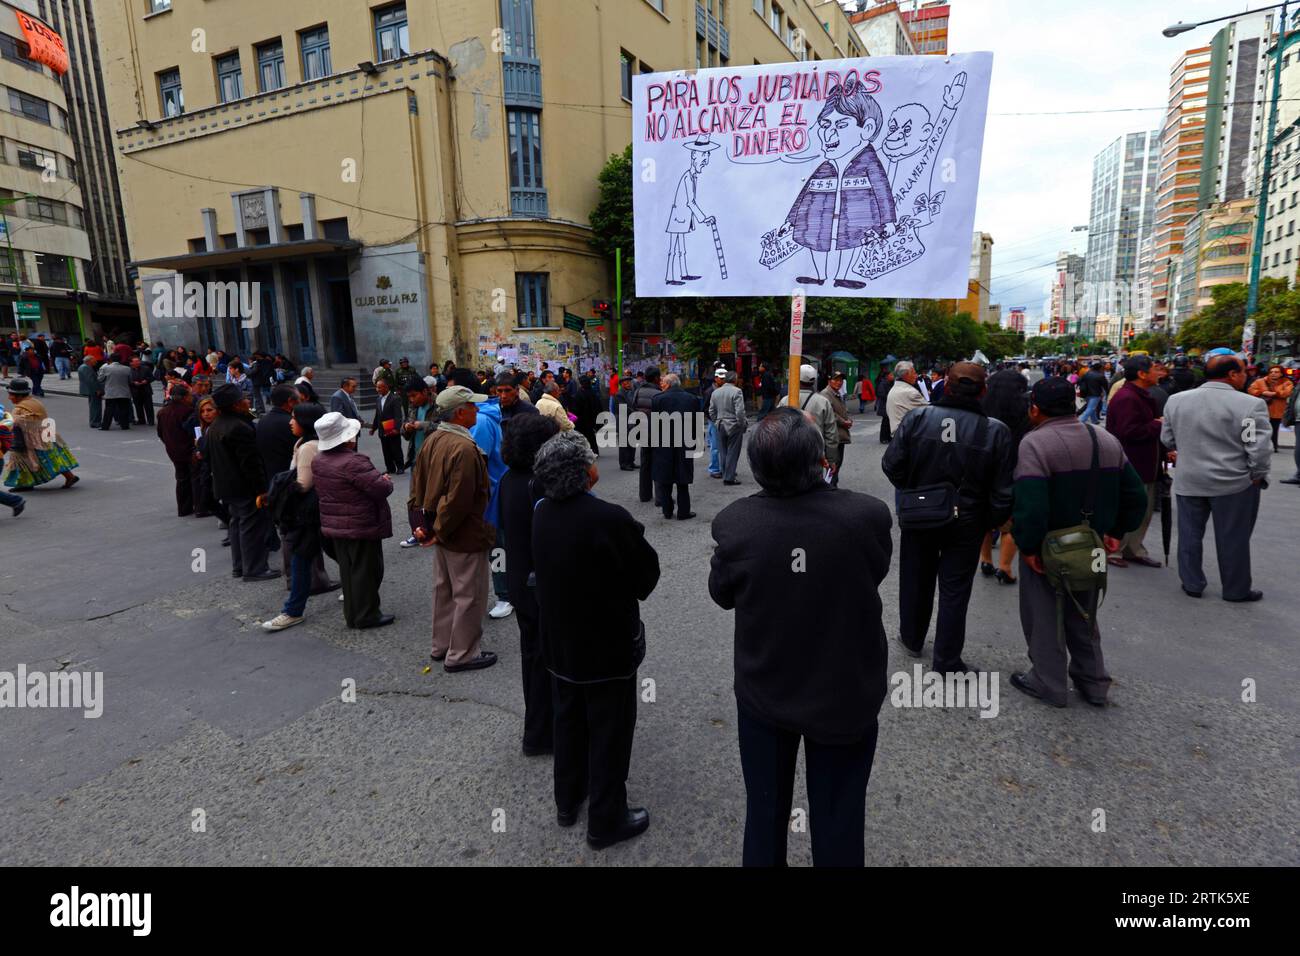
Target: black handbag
(936, 505)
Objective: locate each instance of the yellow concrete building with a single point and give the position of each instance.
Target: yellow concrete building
(399, 178)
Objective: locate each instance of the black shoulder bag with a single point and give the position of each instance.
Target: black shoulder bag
(937, 505)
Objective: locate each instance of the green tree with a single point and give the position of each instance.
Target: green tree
(1040, 345)
(1157, 343)
(999, 342)
(1220, 324)
(611, 220)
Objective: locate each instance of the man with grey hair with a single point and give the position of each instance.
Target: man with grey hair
(727, 412)
(449, 496)
(342, 402)
(304, 385)
(827, 691)
(904, 396)
(578, 537)
(671, 466)
(817, 405)
(548, 404)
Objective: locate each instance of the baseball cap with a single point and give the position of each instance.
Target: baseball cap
(454, 396)
(807, 373)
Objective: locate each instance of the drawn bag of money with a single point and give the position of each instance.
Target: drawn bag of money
(778, 246)
(880, 255)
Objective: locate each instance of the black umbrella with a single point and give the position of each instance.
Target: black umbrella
(1165, 485)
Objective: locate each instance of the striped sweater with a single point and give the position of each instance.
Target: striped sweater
(1051, 480)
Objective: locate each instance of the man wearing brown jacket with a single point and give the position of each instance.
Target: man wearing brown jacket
(449, 486)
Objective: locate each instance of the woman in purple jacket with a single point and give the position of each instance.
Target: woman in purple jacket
(354, 516)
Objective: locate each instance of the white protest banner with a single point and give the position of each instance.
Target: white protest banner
(841, 177)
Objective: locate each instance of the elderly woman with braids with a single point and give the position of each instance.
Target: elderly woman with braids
(579, 538)
(38, 455)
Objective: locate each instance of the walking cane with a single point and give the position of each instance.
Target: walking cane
(717, 246)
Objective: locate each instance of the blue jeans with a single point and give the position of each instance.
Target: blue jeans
(715, 466)
(299, 586)
(1089, 414)
(10, 500)
(64, 367)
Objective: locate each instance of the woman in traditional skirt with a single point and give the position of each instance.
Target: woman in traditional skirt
(34, 460)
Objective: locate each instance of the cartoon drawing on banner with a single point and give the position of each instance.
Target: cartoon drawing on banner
(866, 153)
(846, 203)
(686, 210)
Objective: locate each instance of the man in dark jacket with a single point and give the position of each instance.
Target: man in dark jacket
(884, 382)
(642, 397)
(178, 440)
(767, 390)
(91, 390)
(388, 423)
(673, 465)
(238, 481)
(576, 536)
(142, 390)
(1053, 472)
(261, 373)
(1132, 418)
(623, 400)
(809, 660)
(275, 439)
(952, 443)
(1092, 389)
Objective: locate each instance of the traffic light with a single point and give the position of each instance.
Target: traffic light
(602, 309)
(627, 306)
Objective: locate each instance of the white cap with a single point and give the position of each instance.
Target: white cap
(807, 373)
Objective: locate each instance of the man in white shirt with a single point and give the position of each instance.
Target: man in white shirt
(904, 396)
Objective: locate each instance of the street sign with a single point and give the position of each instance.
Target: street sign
(573, 322)
(28, 311)
(595, 323)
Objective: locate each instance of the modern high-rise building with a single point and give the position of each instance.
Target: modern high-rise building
(1120, 217)
(113, 303)
(883, 31)
(400, 178)
(929, 25)
(1067, 292)
(1281, 248)
(1211, 141)
(44, 250)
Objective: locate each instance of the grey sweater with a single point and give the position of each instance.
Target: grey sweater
(1223, 440)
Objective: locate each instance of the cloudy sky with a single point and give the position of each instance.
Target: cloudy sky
(1054, 56)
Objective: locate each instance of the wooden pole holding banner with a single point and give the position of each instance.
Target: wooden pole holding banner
(796, 343)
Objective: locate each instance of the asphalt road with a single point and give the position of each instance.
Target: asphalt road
(203, 711)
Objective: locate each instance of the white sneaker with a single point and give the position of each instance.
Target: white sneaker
(502, 609)
(409, 543)
(280, 622)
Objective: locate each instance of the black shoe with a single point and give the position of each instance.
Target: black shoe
(1090, 698)
(961, 667)
(537, 751)
(439, 657)
(635, 822)
(382, 621)
(675, 282)
(1003, 578)
(731, 482)
(484, 659)
(225, 542)
(910, 652)
(1291, 481)
(986, 569)
(268, 575)
(686, 517)
(567, 818)
(690, 278)
(236, 574)
(18, 508)
(808, 280)
(1019, 683)
(332, 586)
(1194, 594)
(849, 284)
(1248, 599)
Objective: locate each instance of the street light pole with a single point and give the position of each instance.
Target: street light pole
(1257, 253)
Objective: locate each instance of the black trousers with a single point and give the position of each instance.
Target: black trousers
(594, 724)
(626, 457)
(184, 488)
(948, 556)
(647, 479)
(119, 410)
(392, 446)
(143, 402)
(361, 572)
(249, 529)
(837, 793)
(664, 494)
(96, 403)
(539, 702)
(886, 436)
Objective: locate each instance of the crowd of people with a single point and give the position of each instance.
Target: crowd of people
(985, 467)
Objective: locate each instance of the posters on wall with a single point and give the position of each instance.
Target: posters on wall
(845, 177)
